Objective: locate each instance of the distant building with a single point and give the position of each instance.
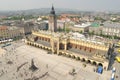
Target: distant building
(80, 27)
(7, 32)
(72, 17)
(42, 25)
(27, 27)
(60, 24)
(95, 28)
(52, 21)
(111, 28)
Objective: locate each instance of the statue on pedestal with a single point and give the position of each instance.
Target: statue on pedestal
(33, 67)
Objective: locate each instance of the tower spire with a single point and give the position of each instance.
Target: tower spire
(52, 7)
(52, 20)
(52, 10)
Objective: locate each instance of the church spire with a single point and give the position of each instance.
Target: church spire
(52, 7)
(52, 10)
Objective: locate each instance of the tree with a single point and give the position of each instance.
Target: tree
(67, 30)
(90, 33)
(60, 29)
(81, 31)
(93, 32)
(44, 18)
(115, 37)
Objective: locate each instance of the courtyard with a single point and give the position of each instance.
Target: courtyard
(16, 62)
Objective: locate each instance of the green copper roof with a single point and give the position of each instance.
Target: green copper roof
(95, 25)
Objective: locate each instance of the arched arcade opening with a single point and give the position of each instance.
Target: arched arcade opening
(94, 63)
(100, 64)
(83, 60)
(88, 61)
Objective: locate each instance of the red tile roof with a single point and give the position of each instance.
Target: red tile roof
(3, 27)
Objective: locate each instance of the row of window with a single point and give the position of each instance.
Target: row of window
(115, 30)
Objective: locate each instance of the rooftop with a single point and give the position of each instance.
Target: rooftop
(13, 28)
(72, 35)
(8, 28)
(95, 25)
(61, 21)
(83, 25)
(3, 27)
(112, 24)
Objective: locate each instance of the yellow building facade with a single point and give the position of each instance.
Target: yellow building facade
(64, 44)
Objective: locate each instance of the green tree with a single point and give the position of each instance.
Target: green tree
(60, 29)
(67, 29)
(93, 33)
(81, 32)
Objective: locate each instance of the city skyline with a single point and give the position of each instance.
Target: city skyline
(84, 5)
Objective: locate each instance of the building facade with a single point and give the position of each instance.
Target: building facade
(41, 25)
(111, 28)
(60, 24)
(65, 44)
(26, 26)
(80, 27)
(95, 28)
(10, 32)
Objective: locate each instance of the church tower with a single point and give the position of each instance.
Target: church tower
(52, 21)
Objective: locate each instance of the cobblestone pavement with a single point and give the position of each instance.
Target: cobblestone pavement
(117, 73)
(16, 62)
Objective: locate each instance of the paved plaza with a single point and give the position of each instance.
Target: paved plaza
(117, 73)
(16, 62)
